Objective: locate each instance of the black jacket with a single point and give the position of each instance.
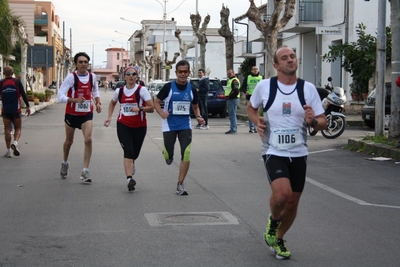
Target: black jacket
(204, 86)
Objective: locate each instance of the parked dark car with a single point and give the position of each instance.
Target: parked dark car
(118, 84)
(368, 111)
(216, 102)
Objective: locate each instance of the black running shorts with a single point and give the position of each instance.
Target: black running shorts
(293, 169)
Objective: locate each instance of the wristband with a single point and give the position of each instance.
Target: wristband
(314, 123)
(199, 117)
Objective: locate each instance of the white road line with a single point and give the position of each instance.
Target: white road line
(345, 196)
(322, 151)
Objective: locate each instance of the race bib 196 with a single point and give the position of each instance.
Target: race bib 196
(83, 107)
(286, 138)
(180, 108)
(126, 109)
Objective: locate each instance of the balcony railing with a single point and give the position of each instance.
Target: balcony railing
(310, 11)
(41, 19)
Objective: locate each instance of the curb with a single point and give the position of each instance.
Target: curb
(371, 148)
(41, 106)
(352, 123)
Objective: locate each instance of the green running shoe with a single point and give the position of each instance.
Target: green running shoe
(280, 251)
(270, 232)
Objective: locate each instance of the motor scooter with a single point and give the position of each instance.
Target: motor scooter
(333, 103)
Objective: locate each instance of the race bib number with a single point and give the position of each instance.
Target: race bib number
(83, 107)
(284, 139)
(126, 109)
(180, 108)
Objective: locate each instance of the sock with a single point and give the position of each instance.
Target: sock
(64, 162)
(15, 143)
(85, 169)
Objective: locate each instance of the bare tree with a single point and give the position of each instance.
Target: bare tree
(20, 30)
(183, 46)
(270, 29)
(169, 63)
(201, 35)
(225, 31)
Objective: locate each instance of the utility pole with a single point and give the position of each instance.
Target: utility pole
(381, 65)
(164, 44)
(394, 128)
(196, 47)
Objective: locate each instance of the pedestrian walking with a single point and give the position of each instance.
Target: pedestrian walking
(135, 101)
(204, 87)
(11, 92)
(77, 90)
(247, 88)
(232, 95)
(289, 104)
(105, 86)
(178, 96)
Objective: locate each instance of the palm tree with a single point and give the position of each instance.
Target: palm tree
(5, 28)
(10, 25)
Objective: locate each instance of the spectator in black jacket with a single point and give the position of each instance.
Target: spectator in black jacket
(204, 87)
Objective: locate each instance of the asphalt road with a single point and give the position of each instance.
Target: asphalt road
(348, 216)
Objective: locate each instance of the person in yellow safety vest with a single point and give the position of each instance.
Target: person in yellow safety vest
(232, 95)
(247, 88)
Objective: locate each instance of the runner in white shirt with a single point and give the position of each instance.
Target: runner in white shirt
(283, 131)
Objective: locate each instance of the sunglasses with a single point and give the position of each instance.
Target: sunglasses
(83, 62)
(182, 71)
(131, 74)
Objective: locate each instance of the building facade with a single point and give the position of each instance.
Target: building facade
(42, 27)
(310, 45)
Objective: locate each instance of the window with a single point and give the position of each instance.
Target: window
(117, 56)
(117, 68)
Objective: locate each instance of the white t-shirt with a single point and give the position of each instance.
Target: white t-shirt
(286, 132)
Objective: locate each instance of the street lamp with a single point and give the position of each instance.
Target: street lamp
(165, 25)
(133, 39)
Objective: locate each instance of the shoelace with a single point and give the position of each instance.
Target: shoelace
(281, 245)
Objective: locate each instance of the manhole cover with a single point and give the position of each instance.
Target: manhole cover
(190, 218)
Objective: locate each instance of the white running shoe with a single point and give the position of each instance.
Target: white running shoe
(85, 177)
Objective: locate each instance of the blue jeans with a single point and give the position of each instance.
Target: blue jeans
(232, 106)
(251, 124)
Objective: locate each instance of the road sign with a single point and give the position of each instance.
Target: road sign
(328, 30)
(166, 67)
(189, 58)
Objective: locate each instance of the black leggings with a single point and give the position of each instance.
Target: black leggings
(185, 141)
(131, 140)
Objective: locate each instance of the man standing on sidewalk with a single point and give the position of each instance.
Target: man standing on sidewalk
(11, 90)
(77, 91)
(232, 95)
(248, 86)
(204, 87)
(283, 132)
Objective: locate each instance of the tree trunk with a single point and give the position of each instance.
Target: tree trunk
(226, 32)
(283, 12)
(394, 128)
(183, 46)
(201, 35)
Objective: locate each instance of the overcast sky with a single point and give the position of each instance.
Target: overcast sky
(93, 23)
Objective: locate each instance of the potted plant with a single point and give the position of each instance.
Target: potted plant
(48, 93)
(29, 95)
(41, 97)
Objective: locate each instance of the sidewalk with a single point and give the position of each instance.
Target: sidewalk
(358, 144)
(352, 119)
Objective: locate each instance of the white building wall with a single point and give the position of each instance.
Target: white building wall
(25, 11)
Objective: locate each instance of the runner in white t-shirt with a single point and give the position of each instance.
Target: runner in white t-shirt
(283, 131)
